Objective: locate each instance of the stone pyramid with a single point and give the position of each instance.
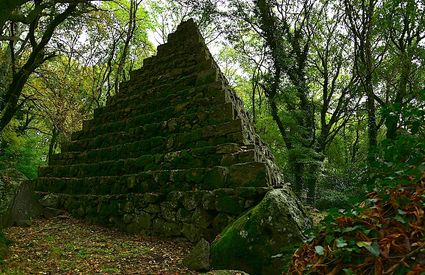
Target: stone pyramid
(172, 154)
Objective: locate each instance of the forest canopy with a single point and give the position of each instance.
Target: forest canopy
(336, 88)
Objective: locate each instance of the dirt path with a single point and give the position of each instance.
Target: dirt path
(66, 245)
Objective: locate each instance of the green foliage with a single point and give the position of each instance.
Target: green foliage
(372, 236)
(330, 198)
(24, 153)
(402, 160)
(340, 186)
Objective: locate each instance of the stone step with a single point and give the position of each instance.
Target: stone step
(166, 136)
(223, 154)
(159, 85)
(172, 105)
(120, 152)
(178, 77)
(151, 99)
(160, 63)
(216, 114)
(250, 174)
(118, 162)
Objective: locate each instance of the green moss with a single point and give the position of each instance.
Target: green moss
(231, 248)
(253, 243)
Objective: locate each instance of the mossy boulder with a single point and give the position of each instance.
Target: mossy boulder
(254, 241)
(199, 258)
(17, 204)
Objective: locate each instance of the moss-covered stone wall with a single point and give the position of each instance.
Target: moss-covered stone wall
(190, 214)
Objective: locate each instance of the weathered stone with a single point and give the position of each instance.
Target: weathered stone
(199, 258)
(153, 208)
(168, 229)
(228, 204)
(151, 197)
(216, 178)
(201, 218)
(168, 212)
(227, 148)
(49, 212)
(208, 201)
(252, 174)
(195, 176)
(140, 223)
(191, 232)
(250, 241)
(50, 200)
(191, 200)
(184, 215)
(17, 204)
(174, 198)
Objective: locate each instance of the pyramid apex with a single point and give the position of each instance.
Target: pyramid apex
(190, 23)
(186, 32)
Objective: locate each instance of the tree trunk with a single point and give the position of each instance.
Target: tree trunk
(35, 59)
(370, 103)
(52, 144)
(395, 110)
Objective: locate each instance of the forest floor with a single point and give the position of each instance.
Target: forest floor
(66, 245)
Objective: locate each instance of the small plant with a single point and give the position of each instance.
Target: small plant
(384, 234)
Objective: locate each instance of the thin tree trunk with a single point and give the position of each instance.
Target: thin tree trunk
(52, 144)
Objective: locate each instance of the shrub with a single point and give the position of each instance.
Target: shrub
(384, 234)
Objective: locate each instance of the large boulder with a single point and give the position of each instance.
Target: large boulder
(17, 203)
(256, 240)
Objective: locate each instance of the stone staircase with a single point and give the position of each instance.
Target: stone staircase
(172, 154)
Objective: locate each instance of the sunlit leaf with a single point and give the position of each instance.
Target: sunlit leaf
(363, 244)
(319, 250)
(340, 242)
(373, 249)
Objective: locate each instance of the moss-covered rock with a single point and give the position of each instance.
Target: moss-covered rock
(17, 204)
(199, 258)
(183, 215)
(252, 242)
(140, 223)
(191, 232)
(168, 229)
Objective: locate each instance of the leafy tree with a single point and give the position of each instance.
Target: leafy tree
(25, 49)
